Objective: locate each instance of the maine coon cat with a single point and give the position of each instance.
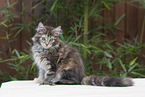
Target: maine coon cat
(61, 63)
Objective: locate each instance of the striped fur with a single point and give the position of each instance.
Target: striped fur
(61, 63)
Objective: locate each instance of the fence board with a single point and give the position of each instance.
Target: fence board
(26, 34)
(109, 16)
(141, 29)
(119, 11)
(3, 43)
(131, 21)
(11, 43)
(140, 20)
(15, 44)
(39, 9)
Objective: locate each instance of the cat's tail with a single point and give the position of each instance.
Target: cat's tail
(106, 81)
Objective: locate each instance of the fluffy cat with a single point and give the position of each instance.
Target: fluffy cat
(61, 63)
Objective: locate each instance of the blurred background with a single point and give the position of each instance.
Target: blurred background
(110, 35)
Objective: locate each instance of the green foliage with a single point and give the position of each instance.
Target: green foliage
(130, 52)
(74, 16)
(9, 11)
(17, 64)
(122, 60)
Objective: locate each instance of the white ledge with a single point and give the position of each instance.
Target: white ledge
(31, 89)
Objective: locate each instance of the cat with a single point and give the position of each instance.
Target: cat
(61, 63)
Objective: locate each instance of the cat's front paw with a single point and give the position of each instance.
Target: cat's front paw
(47, 83)
(37, 80)
(53, 81)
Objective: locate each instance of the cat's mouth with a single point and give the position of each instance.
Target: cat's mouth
(47, 47)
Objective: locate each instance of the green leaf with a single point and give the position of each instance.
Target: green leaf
(109, 64)
(106, 5)
(13, 78)
(14, 3)
(124, 75)
(33, 64)
(29, 43)
(133, 61)
(38, 4)
(132, 67)
(6, 37)
(1, 10)
(16, 67)
(118, 21)
(138, 74)
(123, 66)
(13, 59)
(88, 51)
(53, 6)
(92, 11)
(109, 46)
(3, 37)
(18, 32)
(8, 3)
(4, 24)
(77, 38)
(108, 54)
(17, 53)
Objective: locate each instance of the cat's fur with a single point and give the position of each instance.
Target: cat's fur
(61, 63)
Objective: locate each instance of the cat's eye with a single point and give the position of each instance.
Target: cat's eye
(51, 39)
(36, 38)
(41, 30)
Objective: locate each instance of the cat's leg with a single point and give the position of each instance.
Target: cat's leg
(58, 76)
(48, 73)
(47, 76)
(62, 70)
(51, 77)
(69, 81)
(45, 68)
(48, 79)
(40, 78)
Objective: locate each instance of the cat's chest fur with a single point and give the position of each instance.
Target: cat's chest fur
(48, 59)
(41, 57)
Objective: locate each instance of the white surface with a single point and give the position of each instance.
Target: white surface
(31, 89)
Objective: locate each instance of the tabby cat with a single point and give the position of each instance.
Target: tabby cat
(61, 63)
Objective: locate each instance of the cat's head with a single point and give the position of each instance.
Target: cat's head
(46, 36)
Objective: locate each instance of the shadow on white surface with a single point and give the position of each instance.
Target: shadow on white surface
(31, 89)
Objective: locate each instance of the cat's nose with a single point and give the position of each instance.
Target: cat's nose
(47, 44)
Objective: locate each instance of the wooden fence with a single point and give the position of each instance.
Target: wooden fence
(130, 26)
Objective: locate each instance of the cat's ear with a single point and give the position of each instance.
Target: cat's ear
(57, 31)
(41, 28)
(59, 27)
